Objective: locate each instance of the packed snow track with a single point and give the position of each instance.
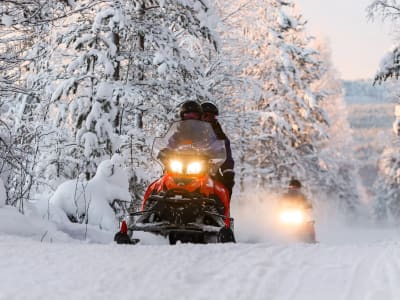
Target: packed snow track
(328, 270)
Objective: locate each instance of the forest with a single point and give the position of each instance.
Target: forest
(85, 82)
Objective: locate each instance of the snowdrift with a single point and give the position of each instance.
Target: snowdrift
(32, 226)
(89, 201)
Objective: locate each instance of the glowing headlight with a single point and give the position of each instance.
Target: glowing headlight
(194, 168)
(292, 217)
(176, 166)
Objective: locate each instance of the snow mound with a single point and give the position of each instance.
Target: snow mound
(13, 223)
(3, 195)
(89, 201)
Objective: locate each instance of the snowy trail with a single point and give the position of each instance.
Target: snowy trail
(329, 271)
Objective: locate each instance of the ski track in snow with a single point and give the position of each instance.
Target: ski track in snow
(349, 271)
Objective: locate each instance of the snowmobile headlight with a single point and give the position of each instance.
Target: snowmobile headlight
(292, 217)
(194, 168)
(176, 166)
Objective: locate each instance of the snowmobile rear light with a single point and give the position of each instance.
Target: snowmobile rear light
(124, 227)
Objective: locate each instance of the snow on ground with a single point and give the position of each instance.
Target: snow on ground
(349, 271)
(32, 226)
(351, 262)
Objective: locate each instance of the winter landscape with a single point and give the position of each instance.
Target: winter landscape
(86, 87)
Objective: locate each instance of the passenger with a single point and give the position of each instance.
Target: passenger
(226, 174)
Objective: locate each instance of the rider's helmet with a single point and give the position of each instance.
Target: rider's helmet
(210, 111)
(191, 110)
(294, 184)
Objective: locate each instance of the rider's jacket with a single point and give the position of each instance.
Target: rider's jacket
(229, 164)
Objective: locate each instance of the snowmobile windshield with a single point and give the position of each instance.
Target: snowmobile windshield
(190, 137)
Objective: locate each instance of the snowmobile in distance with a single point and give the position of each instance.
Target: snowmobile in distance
(295, 221)
(185, 204)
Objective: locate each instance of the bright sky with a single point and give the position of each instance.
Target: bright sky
(357, 44)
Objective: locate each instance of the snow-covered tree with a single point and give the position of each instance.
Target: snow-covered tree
(23, 51)
(338, 179)
(123, 68)
(107, 78)
(3, 195)
(282, 119)
(390, 63)
(387, 186)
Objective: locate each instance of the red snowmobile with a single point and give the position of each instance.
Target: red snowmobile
(186, 204)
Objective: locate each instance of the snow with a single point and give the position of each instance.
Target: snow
(69, 261)
(7, 20)
(92, 198)
(90, 142)
(12, 222)
(397, 111)
(62, 89)
(71, 3)
(104, 14)
(310, 99)
(388, 62)
(162, 69)
(368, 270)
(112, 47)
(94, 114)
(264, 75)
(3, 195)
(86, 38)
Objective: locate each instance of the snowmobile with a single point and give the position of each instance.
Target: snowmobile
(186, 204)
(295, 222)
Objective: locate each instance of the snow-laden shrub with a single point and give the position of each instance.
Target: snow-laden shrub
(90, 201)
(387, 187)
(3, 195)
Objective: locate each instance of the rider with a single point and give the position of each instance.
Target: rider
(295, 196)
(191, 110)
(226, 174)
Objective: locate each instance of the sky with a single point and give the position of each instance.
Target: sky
(357, 44)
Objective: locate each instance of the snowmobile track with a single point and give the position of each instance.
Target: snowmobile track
(185, 271)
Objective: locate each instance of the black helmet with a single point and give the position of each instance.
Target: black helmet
(209, 107)
(294, 184)
(191, 110)
(210, 112)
